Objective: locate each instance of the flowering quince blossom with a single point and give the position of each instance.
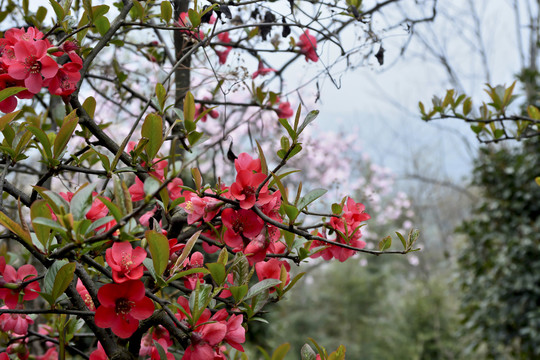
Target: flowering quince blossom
(200, 108)
(246, 162)
(15, 278)
(241, 224)
(85, 295)
(99, 353)
(223, 54)
(308, 46)
(17, 323)
(125, 262)
(197, 207)
(51, 354)
(65, 81)
(271, 269)
(245, 189)
(262, 71)
(284, 110)
(122, 306)
(353, 215)
(196, 260)
(31, 64)
(210, 331)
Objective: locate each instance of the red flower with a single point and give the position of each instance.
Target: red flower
(17, 323)
(16, 278)
(196, 260)
(197, 207)
(284, 110)
(122, 306)
(261, 70)
(245, 189)
(271, 269)
(223, 54)
(31, 63)
(83, 292)
(240, 224)
(246, 162)
(99, 353)
(125, 262)
(63, 84)
(175, 191)
(308, 45)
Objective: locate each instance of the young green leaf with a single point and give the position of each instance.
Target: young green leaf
(159, 248)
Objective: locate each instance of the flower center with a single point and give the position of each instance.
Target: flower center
(126, 262)
(238, 226)
(189, 207)
(123, 306)
(249, 191)
(32, 64)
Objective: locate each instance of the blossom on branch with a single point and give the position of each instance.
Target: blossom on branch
(122, 306)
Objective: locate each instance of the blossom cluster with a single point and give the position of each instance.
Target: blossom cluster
(26, 61)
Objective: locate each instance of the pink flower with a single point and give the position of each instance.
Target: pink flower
(122, 306)
(223, 54)
(200, 108)
(65, 81)
(17, 277)
(196, 260)
(261, 70)
(125, 262)
(245, 189)
(31, 63)
(137, 190)
(240, 224)
(51, 354)
(85, 295)
(284, 110)
(246, 162)
(99, 353)
(308, 45)
(175, 191)
(271, 269)
(17, 323)
(197, 207)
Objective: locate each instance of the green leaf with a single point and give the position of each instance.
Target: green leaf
(194, 136)
(285, 124)
(194, 17)
(161, 351)
(281, 188)
(166, 11)
(152, 130)
(191, 271)
(308, 120)
(82, 202)
(498, 133)
(402, 240)
(218, 272)
(187, 250)
(281, 351)
(261, 286)
(151, 185)
(6, 119)
(336, 209)
(385, 243)
(50, 276)
(51, 224)
(161, 93)
(63, 278)
(113, 209)
(189, 108)
(291, 211)
(310, 197)
(294, 280)
(197, 178)
(10, 91)
(65, 133)
(467, 106)
(39, 208)
(238, 292)
(240, 269)
(58, 10)
(264, 166)
(307, 353)
(99, 10)
(159, 248)
(15, 228)
(42, 139)
(102, 25)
